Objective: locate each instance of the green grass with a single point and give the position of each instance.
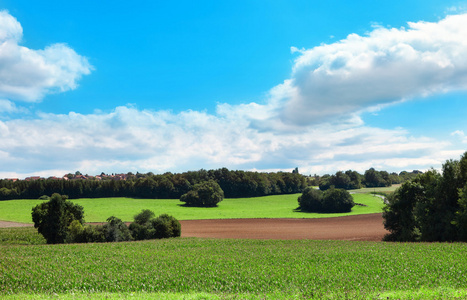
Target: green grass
(381, 190)
(99, 209)
(235, 269)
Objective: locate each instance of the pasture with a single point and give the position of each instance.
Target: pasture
(278, 206)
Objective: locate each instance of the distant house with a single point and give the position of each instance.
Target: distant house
(32, 178)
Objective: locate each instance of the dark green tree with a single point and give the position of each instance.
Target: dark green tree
(206, 194)
(337, 201)
(310, 200)
(52, 218)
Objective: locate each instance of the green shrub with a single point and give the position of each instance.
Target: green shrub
(166, 226)
(205, 194)
(116, 231)
(53, 218)
(311, 199)
(330, 201)
(147, 227)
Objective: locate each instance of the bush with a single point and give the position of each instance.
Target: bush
(147, 227)
(206, 194)
(310, 200)
(337, 201)
(116, 231)
(330, 201)
(53, 218)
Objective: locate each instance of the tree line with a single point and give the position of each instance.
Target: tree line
(350, 180)
(430, 207)
(235, 184)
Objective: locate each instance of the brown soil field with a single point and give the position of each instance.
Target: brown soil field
(356, 228)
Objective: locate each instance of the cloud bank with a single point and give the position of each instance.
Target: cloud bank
(384, 66)
(128, 139)
(27, 74)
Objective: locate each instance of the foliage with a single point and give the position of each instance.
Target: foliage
(146, 226)
(116, 231)
(235, 269)
(52, 218)
(206, 194)
(372, 178)
(310, 200)
(431, 207)
(336, 201)
(329, 201)
(164, 186)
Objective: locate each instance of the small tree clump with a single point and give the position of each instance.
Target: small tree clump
(205, 194)
(146, 226)
(116, 231)
(329, 201)
(311, 199)
(53, 218)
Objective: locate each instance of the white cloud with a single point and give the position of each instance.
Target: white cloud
(460, 135)
(128, 139)
(385, 66)
(27, 74)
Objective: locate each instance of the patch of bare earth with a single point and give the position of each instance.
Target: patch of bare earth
(357, 228)
(6, 224)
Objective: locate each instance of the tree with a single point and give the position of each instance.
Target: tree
(310, 200)
(116, 231)
(206, 194)
(147, 227)
(431, 206)
(52, 218)
(330, 201)
(337, 201)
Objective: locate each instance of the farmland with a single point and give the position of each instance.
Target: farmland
(238, 269)
(200, 268)
(99, 209)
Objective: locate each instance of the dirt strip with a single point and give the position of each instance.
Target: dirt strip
(358, 228)
(6, 224)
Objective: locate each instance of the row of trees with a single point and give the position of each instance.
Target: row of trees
(371, 178)
(62, 221)
(235, 184)
(431, 207)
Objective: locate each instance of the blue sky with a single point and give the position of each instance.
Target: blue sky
(254, 85)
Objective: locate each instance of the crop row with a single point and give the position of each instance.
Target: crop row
(311, 269)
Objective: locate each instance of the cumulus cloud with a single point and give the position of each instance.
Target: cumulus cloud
(129, 139)
(28, 74)
(384, 66)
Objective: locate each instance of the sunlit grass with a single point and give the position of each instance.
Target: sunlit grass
(99, 209)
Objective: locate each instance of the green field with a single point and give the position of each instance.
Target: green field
(99, 209)
(379, 190)
(237, 269)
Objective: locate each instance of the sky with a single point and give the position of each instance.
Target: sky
(173, 86)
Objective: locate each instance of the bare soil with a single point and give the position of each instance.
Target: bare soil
(357, 228)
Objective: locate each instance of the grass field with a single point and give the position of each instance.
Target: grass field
(237, 269)
(380, 190)
(99, 209)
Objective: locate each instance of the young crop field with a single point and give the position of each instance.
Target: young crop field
(278, 206)
(235, 269)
